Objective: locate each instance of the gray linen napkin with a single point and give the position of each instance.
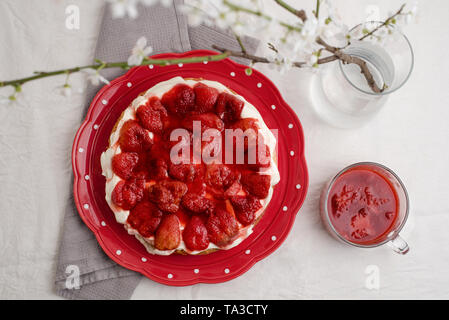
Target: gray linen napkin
(84, 271)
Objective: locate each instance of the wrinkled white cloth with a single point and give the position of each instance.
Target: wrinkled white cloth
(410, 135)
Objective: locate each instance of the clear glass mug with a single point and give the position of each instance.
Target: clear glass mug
(393, 239)
(341, 95)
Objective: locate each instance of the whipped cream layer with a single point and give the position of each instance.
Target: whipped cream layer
(248, 111)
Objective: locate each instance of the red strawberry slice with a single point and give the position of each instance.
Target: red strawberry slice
(256, 184)
(167, 195)
(195, 235)
(206, 121)
(168, 234)
(197, 203)
(134, 138)
(245, 208)
(205, 98)
(179, 100)
(145, 217)
(228, 107)
(127, 194)
(222, 227)
(124, 163)
(152, 115)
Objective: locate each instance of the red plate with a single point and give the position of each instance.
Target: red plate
(178, 270)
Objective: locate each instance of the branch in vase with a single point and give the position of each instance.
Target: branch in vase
(348, 59)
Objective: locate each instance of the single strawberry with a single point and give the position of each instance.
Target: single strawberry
(205, 98)
(245, 208)
(168, 234)
(145, 217)
(127, 194)
(219, 176)
(228, 107)
(179, 100)
(167, 195)
(152, 115)
(222, 227)
(256, 184)
(134, 138)
(182, 172)
(195, 235)
(197, 204)
(124, 163)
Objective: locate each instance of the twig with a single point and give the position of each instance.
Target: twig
(299, 13)
(348, 59)
(236, 7)
(109, 65)
(385, 23)
(257, 59)
(317, 10)
(239, 40)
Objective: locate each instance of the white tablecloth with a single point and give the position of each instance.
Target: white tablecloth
(410, 135)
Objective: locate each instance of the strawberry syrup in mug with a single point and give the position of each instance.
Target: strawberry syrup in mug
(363, 206)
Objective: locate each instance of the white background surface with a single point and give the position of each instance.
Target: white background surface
(410, 135)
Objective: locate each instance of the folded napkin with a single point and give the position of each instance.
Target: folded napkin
(84, 271)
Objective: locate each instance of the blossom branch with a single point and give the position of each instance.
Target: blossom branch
(238, 8)
(299, 13)
(108, 65)
(384, 24)
(258, 59)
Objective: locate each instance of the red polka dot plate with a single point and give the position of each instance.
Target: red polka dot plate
(180, 270)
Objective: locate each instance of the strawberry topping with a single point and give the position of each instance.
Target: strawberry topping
(167, 195)
(205, 98)
(228, 107)
(256, 184)
(152, 115)
(145, 217)
(124, 163)
(168, 234)
(222, 227)
(179, 100)
(127, 194)
(134, 138)
(195, 235)
(245, 208)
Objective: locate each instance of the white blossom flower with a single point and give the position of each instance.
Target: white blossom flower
(65, 90)
(139, 52)
(95, 77)
(121, 8)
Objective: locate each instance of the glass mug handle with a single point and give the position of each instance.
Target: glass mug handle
(399, 245)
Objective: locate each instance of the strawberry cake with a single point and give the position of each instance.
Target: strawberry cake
(162, 187)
